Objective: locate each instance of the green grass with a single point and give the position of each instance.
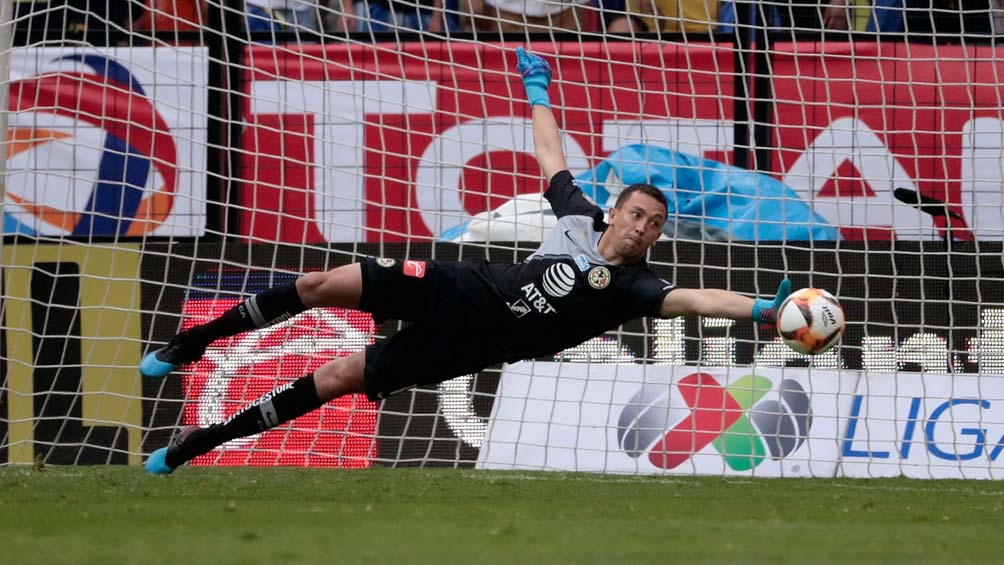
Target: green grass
(120, 515)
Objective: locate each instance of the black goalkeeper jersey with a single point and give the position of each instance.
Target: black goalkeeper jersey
(566, 292)
(469, 315)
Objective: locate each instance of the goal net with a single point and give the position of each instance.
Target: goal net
(166, 159)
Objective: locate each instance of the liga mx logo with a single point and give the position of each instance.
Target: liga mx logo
(734, 420)
(87, 153)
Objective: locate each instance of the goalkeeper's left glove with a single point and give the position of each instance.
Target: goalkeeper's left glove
(765, 311)
(536, 75)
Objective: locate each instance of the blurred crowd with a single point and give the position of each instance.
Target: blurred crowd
(963, 18)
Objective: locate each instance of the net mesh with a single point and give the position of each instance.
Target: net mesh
(165, 159)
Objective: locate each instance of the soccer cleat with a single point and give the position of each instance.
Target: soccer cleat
(167, 359)
(156, 464)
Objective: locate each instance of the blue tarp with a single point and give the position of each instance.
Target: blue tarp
(741, 204)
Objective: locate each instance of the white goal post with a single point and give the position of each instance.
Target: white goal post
(164, 162)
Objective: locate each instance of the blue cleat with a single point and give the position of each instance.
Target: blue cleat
(179, 448)
(156, 464)
(167, 359)
(152, 367)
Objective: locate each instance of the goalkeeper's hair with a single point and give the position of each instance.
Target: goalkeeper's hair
(643, 188)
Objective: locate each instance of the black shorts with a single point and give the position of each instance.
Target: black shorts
(458, 324)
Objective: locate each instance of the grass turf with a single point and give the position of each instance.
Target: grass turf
(243, 515)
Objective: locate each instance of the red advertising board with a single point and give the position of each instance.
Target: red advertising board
(855, 121)
(236, 371)
(386, 143)
(419, 136)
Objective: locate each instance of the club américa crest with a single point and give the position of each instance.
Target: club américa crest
(599, 277)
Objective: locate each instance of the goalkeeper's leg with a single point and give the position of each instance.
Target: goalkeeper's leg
(334, 379)
(340, 287)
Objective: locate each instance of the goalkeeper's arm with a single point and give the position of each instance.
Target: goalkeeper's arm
(723, 304)
(536, 74)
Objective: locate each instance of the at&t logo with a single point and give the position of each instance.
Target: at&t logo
(735, 420)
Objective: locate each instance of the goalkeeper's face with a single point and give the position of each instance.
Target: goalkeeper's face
(635, 226)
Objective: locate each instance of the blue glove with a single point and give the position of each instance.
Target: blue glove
(536, 75)
(765, 311)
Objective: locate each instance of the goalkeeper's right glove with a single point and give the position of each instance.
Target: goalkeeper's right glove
(765, 311)
(536, 75)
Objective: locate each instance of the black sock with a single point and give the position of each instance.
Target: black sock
(261, 310)
(268, 411)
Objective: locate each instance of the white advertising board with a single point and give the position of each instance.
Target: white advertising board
(925, 425)
(652, 419)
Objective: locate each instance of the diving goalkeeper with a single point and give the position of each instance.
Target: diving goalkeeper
(589, 276)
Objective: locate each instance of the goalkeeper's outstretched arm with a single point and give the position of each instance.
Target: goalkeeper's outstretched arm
(710, 302)
(723, 304)
(536, 74)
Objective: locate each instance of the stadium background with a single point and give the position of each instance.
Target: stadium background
(895, 290)
(250, 221)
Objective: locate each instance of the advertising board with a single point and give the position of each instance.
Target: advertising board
(107, 142)
(649, 419)
(349, 143)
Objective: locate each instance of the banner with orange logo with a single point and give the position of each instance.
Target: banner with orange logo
(107, 142)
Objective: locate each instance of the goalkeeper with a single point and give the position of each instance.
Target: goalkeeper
(589, 276)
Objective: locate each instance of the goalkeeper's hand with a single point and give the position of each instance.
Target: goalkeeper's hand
(765, 311)
(536, 75)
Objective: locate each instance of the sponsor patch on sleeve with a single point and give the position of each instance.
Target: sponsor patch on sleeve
(414, 269)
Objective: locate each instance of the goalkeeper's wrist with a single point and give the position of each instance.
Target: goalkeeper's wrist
(763, 311)
(537, 95)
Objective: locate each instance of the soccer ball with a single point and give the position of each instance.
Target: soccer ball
(810, 321)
